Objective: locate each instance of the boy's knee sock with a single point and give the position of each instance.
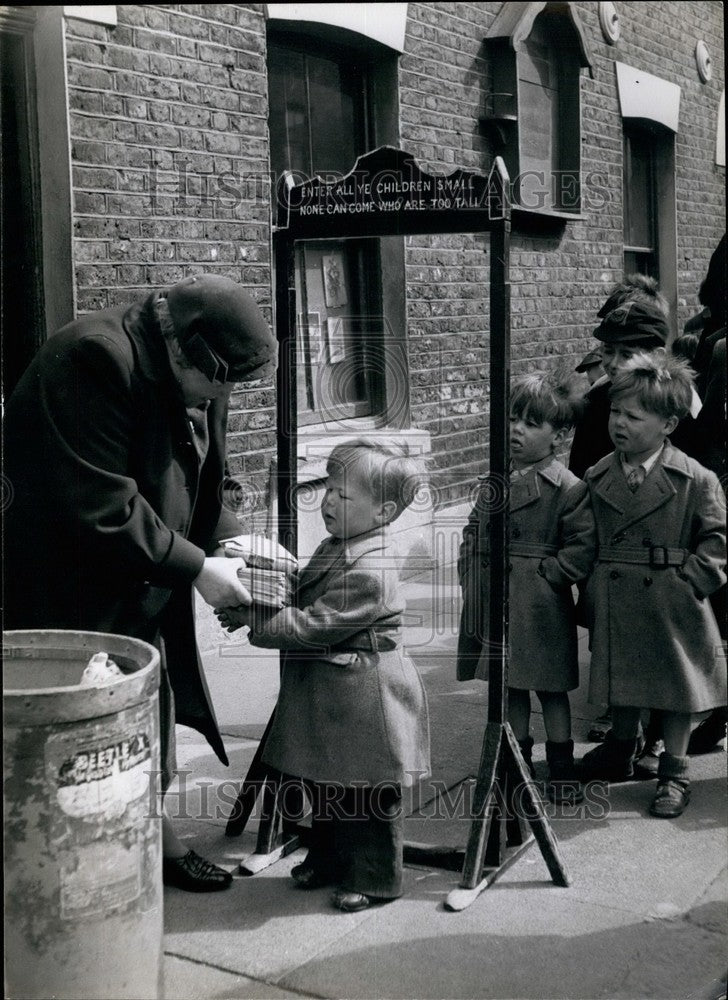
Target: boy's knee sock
(672, 768)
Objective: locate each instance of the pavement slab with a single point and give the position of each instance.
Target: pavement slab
(645, 915)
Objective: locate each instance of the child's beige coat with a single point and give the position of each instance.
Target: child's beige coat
(352, 706)
(551, 547)
(655, 641)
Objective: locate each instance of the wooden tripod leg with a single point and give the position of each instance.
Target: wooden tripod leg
(483, 807)
(270, 816)
(249, 789)
(530, 801)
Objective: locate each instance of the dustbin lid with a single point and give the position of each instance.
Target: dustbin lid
(42, 670)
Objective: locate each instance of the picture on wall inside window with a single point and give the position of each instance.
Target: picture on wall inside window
(334, 287)
(335, 339)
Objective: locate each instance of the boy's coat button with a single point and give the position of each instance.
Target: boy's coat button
(614, 575)
(648, 581)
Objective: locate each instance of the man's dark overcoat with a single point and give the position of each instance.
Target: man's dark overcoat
(109, 515)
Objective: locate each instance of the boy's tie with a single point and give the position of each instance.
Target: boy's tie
(636, 478)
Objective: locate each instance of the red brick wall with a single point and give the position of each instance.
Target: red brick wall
(170, 165)
(558, 282)
(168, 122)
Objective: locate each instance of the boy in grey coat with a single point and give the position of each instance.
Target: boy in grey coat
(351, 719)
(660, 519)
(551, 547)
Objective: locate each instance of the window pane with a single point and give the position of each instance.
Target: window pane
(289, 126)
(638, 193)
(317, 125)
(539, 126)
(333, 119)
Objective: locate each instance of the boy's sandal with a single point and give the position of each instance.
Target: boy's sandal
(670, 799)
(353, 902)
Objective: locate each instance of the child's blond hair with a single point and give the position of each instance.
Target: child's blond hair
(662, 383)
(554, 397)
(392, 473)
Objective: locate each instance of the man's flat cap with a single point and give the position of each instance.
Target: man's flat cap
(221, 329)
(635, 323)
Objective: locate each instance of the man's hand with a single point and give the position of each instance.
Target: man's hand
(233, 618)
(218, 583)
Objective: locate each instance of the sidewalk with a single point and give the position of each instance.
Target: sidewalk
(645, 915)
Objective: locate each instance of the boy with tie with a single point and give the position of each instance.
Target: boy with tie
(660, 519)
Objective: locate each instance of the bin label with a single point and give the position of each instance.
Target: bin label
(102, 776)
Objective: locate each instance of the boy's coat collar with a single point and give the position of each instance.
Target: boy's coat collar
(526, 489)
(333, 552)
(610, 484)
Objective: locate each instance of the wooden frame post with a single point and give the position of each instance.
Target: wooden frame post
(505, 798)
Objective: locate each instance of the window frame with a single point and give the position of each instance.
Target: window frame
(386, 274)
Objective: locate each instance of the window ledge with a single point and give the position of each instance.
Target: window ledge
(543, 218)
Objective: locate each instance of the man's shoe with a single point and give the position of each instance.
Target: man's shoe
(612, 761)
(307, 877)
(648, 762)
(709, 733)
(670, 799)
(194, 874)
(353, 902)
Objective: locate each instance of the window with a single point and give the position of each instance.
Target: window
(533, 110)
(650, 227)
(319, 124)
(650, 114)
(640, 229)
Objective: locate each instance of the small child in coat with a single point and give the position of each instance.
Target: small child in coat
(351, 719)
(551, 547)
(660, 519)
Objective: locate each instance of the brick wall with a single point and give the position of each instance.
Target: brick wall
(170, 166)
(168, 123)
(559, 281)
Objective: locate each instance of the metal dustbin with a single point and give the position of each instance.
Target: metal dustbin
(83, 839)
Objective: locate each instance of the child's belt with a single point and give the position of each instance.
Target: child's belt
(532, 550)
(656, 556)
(369, 640)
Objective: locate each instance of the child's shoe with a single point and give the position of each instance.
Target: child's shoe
(353, 902)
(307, 877)
(527, 754)
(673, 787)
(612, 761)
(648, 762)
(600, 728)
(563, 786)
